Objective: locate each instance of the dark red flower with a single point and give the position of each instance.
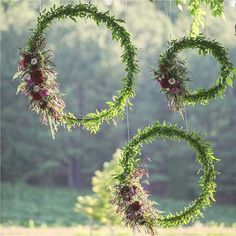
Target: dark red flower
(36, 96)
(125, 190)
(37, 76)
(164, 83)
(25, 61)
(135, 206)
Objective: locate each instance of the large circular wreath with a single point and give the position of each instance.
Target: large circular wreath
(39, 77)
(172, 74)
(132, 201)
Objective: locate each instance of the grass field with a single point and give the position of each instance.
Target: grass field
(40, 211)
(196, 230)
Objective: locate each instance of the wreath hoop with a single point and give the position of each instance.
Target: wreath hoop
(172, 73)
(39, 79)
(130, 199)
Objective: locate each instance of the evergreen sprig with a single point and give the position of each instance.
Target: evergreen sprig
(116, 107)
(203, 46)
(204, 155)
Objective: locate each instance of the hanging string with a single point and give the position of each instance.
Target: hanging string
(186, 119)
(40, 6)
(168, 12)
(170, 18)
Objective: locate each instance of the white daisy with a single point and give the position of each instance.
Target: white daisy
(27, 76)
(34, 61)
(36, 88)
(171, 81)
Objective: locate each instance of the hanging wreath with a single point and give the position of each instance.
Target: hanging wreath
(132, 201)
(38, 75)
(172, 74)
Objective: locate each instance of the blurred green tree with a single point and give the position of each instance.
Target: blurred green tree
(97, 207)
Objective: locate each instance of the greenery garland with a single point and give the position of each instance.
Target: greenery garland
(172, 73)
(132, 201)
(39, 79)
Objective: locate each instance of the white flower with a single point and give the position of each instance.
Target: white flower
(27, 76)
(34, 61)
(36, 88)
(161, 77)
(171, 81)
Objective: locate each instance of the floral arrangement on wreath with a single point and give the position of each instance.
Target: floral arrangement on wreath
(38, 74)
(172, 74)
(38, 83)
(131, 200)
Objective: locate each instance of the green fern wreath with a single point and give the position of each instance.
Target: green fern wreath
(130, 199)
(38, 75)
(173, 76)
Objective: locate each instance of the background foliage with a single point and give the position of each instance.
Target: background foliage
(90, 69)
(97, 207)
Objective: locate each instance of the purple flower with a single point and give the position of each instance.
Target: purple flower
(44, 93)
(174, 90)
(29, 82)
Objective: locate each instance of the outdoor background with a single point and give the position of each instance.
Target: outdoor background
(41, 178)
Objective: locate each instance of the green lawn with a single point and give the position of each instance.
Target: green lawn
(196, 230)
(25, 205)
(39, 206)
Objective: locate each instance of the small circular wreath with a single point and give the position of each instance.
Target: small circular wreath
(172, 73)
(39, 77)
(130, 199)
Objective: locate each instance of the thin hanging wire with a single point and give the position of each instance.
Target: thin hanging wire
(170, 19)
(127, 103)
(168, 13)
(40, 6)
(186, 119)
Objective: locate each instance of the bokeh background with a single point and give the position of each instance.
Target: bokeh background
(41, 178)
